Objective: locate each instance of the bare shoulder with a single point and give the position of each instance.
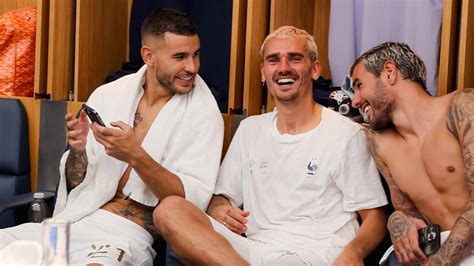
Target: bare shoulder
(382, 141)
(461, 111)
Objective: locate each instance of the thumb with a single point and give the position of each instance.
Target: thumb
(120, 125)
(419, 223)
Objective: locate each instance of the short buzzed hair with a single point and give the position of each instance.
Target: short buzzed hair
(291, 31)
(167, 20)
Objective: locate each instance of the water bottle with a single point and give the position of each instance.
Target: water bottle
(38, 210)
(55, 242)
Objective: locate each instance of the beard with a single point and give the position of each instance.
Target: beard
(166, 81)
(382, 108)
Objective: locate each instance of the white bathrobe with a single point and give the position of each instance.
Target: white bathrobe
(185, 138)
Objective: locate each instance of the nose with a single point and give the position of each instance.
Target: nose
(192, 65)
(356, 100)
(283, 66)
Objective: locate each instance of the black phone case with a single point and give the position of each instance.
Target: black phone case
(429, 239)
(93, 115)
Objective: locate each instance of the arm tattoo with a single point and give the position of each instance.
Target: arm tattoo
(397, 225)
(138, 119)
(76, 166)
(400, 200)
(460, 242)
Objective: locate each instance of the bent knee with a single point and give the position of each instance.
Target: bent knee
(168, 213)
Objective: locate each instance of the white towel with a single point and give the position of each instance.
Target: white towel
(186, 138)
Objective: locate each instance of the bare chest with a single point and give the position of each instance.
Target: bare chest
(430, 172)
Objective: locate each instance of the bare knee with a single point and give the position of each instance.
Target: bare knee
(169, 213)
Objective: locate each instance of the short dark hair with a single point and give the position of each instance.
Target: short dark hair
(167, 20)
(410, 65)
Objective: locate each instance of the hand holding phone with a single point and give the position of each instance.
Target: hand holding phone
(429, 239)
(93, 115)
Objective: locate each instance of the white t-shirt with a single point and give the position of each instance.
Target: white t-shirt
(307, 185)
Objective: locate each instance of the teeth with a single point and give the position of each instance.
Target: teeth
(285, 81)
(366, 109)
(186, 78)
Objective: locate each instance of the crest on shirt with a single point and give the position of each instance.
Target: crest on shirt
(312, 167)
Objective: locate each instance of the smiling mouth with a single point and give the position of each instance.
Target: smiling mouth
(285, 81)
(185, 78)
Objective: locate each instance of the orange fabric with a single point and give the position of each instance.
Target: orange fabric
(17, 52)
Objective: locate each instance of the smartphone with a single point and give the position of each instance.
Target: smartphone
(429, 239)
(93, 115)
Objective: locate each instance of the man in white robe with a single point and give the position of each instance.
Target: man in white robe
(163, 137)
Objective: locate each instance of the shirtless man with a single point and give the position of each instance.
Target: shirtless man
(122, 171)
(424, 148)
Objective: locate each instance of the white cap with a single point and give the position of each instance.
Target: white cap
(38, 195)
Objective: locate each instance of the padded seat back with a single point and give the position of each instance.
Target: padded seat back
(14, 154)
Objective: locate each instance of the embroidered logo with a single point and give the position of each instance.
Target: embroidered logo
(251, 166)
(312, 167)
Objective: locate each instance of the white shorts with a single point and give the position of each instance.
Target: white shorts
(101, 237)
(271, 252)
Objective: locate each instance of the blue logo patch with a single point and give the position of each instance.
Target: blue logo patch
(312, 167)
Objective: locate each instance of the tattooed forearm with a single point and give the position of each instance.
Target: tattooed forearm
(460, 242)
(397, 225)
(76, 166)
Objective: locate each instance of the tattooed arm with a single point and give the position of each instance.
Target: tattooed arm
(404, 223)
(460, 242)
(76, 163)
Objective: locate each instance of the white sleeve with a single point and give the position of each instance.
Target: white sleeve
(358, 178)
(229, 180)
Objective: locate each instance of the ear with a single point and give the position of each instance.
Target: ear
(147, 55)
(315, 70)
(390, 72)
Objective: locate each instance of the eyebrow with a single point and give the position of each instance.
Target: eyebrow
(179, 54)
(272, 56)
(290, 54)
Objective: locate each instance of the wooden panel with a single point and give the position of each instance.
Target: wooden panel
(298, 13)
(321, 34)
(74, 107)
(257, 29)
(227, 133)
(237, 55)
(61, 49)
(448, 47)
(32, 108)
(41, 49)
(7, 5)
(466, 53)
(101, 43)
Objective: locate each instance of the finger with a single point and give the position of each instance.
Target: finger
(73, 134)
(71, 124)
(417, 252)
(235, 224)
(68, 116)
(75, 143)
(98, 137)
(233, 228)
(120, 125)
(237, 214)
(401, 255)
(83, 116)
